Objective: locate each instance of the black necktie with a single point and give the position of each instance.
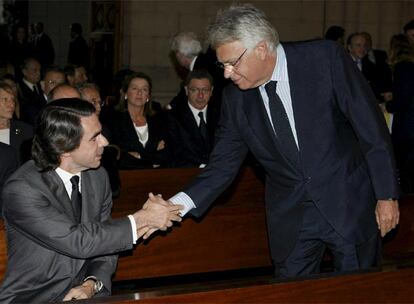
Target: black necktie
(76, 198)
(281, 123)
(35, 89)
(202, 126)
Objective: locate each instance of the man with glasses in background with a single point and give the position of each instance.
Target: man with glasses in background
(191, 124)
(309, 117)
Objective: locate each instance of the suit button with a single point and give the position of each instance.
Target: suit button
(307, 180)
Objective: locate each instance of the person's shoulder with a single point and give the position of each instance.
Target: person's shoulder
(314, 44)
(25, 127)
(27, 172)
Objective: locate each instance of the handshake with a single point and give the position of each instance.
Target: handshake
(156, 214)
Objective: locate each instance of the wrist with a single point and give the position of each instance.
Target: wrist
(95, 284)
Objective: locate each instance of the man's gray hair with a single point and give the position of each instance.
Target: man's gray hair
(84, 86)
(244, 23)
(187, 44)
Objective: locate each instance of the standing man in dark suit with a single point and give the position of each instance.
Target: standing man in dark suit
(191, 124)
(43, 46)
(311, 120)
(30, 92)
(78, 48)
(61, 238)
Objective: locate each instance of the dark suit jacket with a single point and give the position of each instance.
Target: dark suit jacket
(346, 160)
(44, 51)
(21, 135)
(8, 164)
(403, 103)
(79, 52)
(30, 103)
(184, 138)
(126, 138)
(48, 252)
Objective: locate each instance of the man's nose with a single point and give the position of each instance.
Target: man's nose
(228, 71)
(104, 141)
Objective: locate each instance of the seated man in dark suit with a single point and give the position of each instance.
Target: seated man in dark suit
(61, 238)
(30, 92)
(191, 124)
(8, 164)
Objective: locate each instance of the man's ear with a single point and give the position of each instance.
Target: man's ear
(186, 90)
(261, 49)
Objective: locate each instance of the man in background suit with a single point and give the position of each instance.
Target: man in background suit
(78, 53)
(30, 92)
(191, 124)
(312, 122)
(8, 164)
(61, 238)
(43, 46)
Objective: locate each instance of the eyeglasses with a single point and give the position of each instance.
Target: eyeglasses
(198, 90)
(230, 64)
(98, 103)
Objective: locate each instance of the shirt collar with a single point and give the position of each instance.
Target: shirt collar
(29, 84)
(196, 111)
(193, 63)
(280, 71)
(65, 176)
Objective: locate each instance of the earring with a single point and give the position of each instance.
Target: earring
(147, 100)
(125, 97)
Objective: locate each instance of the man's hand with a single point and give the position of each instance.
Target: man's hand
(84, 291)
(156, 214)
(387, 214)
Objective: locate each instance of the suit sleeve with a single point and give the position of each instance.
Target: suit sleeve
(103, 267)
(225, 160)
(33, 213)
(358, 104)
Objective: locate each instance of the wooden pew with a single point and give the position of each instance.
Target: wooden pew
(375, 287)
(231, 236)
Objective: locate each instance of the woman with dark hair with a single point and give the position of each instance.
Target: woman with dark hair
(402, 106)
(138, 130)
(15, 133)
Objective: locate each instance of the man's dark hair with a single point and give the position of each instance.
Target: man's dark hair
(26, 62)
(334, 32)
(198, 74)
(77, 28)
(70, 69)
(350, 37)
(409, 26)
(59, 130)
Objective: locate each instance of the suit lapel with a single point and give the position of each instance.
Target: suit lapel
(259, 120)
(56, 186)
(88, 197)
(300, 82)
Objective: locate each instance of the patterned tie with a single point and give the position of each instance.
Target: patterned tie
(202, 127)
(281, 123)
(76, 198)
